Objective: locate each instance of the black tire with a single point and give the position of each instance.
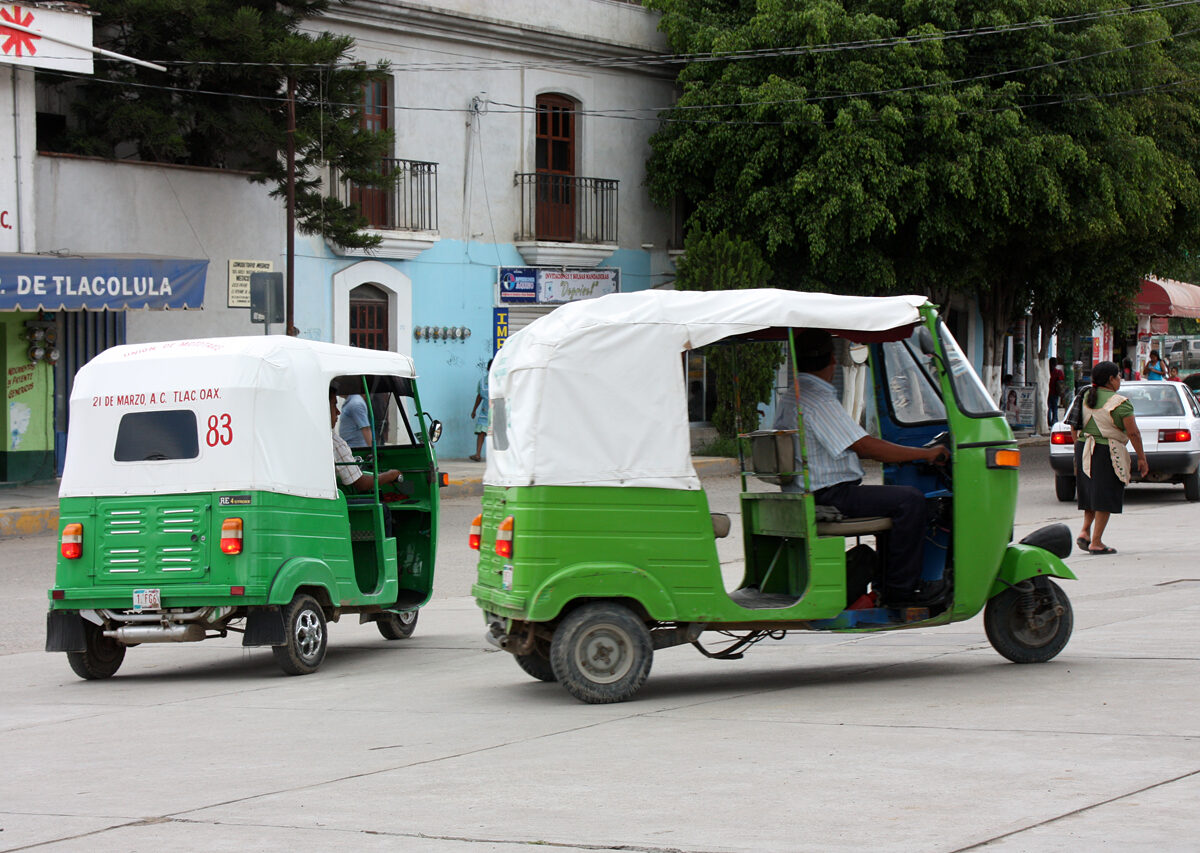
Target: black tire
(397, 626)
(1013, 637)
(307, 637)
(601, 653)
(101, 658)
(1191, 486)
(1064, 488)
(537, 665)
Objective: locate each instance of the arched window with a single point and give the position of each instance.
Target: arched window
(369, 317)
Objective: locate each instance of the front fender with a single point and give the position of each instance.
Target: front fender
(1022, 562)
(600, 580)
(298, 572)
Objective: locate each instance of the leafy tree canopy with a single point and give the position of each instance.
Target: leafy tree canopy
(745, 374)
(1030, 153)
(222, 101)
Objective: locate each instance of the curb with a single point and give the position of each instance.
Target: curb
(28, 521)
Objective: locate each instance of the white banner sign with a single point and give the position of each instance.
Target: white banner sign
(572, 285)
(45, 38)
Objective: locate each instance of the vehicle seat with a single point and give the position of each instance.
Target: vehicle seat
(854, 526)
(720, 523)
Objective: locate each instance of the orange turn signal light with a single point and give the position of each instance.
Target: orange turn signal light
(71, 544)
(476, 535)
(1003, 457)
(231, 536)
(504, 538)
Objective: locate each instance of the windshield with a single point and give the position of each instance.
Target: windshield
(972, 397)
(911, 389)
(1154, 400)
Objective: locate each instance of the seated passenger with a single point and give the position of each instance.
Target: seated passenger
(352, 475)
(834, 442)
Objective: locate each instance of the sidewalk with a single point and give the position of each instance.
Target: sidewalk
(32, 508)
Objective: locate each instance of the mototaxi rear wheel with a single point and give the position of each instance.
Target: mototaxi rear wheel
(601, 653)
(101, 657)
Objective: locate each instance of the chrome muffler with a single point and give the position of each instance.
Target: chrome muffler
(174, 633)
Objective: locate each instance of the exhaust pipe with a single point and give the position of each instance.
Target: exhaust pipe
(176, 633)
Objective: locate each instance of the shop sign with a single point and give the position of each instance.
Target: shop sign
(518, 284)
(40, 37)
(556, 286)
(239, 280)
(51, 283)
(499, 328)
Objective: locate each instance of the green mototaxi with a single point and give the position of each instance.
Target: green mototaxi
(596, 542)
(199, 498)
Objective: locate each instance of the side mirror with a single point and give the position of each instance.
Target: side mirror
(435, 432)
(925, 341)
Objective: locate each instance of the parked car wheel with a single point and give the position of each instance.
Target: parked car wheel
(1029, 623)
(1064, 488)
(601, 653)
(307, 637)
(397, 626)
(101, 658)
(1191, 486)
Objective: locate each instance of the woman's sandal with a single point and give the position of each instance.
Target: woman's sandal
(1083, 544)
(1103, 551)
(474, 458)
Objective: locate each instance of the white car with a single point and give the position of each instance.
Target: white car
(1169, 419)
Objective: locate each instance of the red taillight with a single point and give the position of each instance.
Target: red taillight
(1174, 435)
(58, 594)
(1060, 438)
(231, 536)
(71, 544)
(476, 536)
(504, 538)
(237, 590)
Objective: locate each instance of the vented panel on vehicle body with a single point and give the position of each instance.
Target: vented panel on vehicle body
(162, 540)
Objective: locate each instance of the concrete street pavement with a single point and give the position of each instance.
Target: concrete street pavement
(909, 741)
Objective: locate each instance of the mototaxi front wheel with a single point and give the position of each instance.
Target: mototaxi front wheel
(601, 653)
(307, 637)
(101, 657)
(1029, 623)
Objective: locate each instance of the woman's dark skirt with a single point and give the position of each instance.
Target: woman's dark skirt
(1103, 491)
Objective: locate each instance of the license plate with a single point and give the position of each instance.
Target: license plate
(506, 577)
(147, 599)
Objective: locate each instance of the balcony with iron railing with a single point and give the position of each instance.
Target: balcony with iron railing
(566, 219)
(404, 215)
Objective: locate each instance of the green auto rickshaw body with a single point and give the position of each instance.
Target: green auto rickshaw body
(609, 537)
(201, 495)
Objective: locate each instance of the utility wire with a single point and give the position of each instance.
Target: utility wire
(715, 56)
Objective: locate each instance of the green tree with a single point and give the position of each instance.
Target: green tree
(943, 147)
(745, 373)
(223, 99)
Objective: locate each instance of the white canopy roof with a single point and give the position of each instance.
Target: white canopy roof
(261, 406)
(593, 393)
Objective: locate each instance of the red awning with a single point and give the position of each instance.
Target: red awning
(1165, 297)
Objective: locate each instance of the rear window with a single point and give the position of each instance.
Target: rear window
(157, 436)
(1154, 400)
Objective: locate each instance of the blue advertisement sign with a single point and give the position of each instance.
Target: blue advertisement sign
(51, 283)
(499, 328)
(518, 284)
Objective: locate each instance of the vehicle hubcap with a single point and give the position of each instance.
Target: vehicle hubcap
(308, 634)
(604, 654)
